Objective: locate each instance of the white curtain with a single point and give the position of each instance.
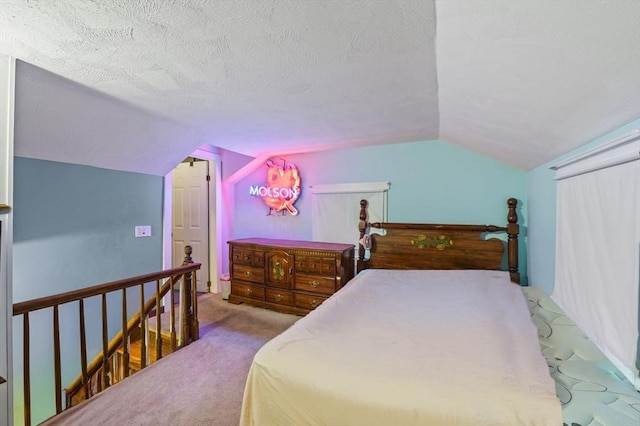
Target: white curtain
(336, 209)
(598, 250)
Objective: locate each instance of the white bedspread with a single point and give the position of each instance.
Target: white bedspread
(407, 348)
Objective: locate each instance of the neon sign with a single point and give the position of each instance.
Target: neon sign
(282, 189)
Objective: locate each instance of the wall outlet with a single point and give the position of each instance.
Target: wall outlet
(143, 231)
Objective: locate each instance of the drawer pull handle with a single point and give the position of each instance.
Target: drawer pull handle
(314, 284)
(247, 273)
(314, 303)
(248, 291)
(247, 258)
(278, 298)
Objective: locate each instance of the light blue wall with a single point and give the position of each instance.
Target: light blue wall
(541, 195)
(74, 227)
(431, 181)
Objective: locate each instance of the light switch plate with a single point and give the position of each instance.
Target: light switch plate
(143, 231)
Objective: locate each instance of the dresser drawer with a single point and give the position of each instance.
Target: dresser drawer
(279, 296)
(248, 273)
(247, 290)
(316, 265)
(245, 256)
(328, 267)
(257, 258)
(315, 284)
(308, 301)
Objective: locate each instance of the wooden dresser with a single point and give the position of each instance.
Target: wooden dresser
(287, 275)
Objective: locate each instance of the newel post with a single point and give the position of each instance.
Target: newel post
(190, 326)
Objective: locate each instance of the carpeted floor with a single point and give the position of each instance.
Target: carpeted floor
(201, 384)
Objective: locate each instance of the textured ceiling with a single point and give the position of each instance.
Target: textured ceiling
(519, 81)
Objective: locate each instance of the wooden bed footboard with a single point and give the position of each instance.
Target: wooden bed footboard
(438, 246)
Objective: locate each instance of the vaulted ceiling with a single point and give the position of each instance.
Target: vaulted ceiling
(519, 81)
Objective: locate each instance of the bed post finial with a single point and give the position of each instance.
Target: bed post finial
(362, 227)
(513, 229)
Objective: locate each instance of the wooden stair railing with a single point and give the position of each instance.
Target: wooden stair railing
(103, 372)
(99, 374)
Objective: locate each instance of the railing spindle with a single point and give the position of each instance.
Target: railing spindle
(56, 359)
(105, 344)
(188, 319)
(83, 349)
(143, 340)
(195, 326)
(172, 318)
(125, 336)
(158, 323)
(183, 313)
(147, 341)
(26, 368)
(114, 368)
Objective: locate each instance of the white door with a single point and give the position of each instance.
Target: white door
(190, 222)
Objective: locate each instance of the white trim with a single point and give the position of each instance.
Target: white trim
(7, 110)
(215, 217)
(344, 188)
(618, 151)
(167, 212)
(7, 97)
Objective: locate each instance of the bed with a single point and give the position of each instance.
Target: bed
(432, 330)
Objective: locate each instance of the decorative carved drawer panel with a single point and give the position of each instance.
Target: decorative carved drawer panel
(294, 276)
(279, 269)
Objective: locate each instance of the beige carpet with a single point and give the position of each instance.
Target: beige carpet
(201, 384)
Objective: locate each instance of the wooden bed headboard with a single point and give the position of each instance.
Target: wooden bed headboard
(438, 246)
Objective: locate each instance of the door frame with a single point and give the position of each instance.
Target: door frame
(7, 110)
(215, 217)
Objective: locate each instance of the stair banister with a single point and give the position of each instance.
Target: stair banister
(183, 274)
